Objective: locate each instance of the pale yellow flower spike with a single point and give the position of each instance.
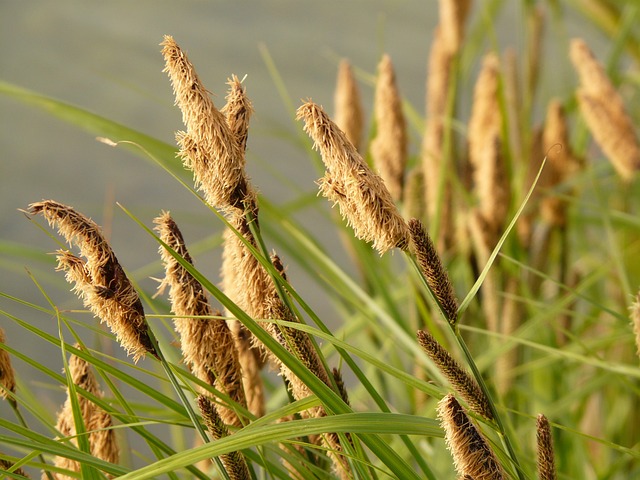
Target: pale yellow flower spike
(604, 112)
(389, 147)
(360, 194)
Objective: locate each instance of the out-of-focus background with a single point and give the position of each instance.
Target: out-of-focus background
(105, 57)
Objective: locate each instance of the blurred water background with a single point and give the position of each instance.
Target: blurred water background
(104, 56)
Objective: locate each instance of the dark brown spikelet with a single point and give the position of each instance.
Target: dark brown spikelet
(99, 280)
(7, 374)
(6, 465)
(433, 270)
(349, 182)
(472, 455)
(97, 422)
(234, 462)
(546, 460)
(458, 377)
(207, 343)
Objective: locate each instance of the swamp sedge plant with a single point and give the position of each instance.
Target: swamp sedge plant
(491, 333)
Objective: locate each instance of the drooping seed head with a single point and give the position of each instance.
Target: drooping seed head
(99, 279)
(360, 194)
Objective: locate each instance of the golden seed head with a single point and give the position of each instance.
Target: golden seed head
(99, 280)
(603, 110)
(490, 178)
(237, 111)
(349, 182)
(210, 147)
(453, 14)
(97, 422)
(207, 343)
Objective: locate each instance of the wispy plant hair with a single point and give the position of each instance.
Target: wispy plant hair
(99, 280)
(360, 194)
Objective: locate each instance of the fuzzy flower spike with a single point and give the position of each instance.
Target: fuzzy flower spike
(99, 279)
(361, 194)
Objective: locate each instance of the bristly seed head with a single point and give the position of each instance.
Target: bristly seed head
(472, 455)
(349, 182)
(99, 280)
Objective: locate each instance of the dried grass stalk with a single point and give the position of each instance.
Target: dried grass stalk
(207, 343)
(7, 374)
(209, 147)
(97, 422)
(490, 178)
(389, 147)
(361, 195)
(472, 455)
(349, 113)
(604, 112)
(459, 378)
(546, 457)
(234, 462)
(99, 281)
(434, 272)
